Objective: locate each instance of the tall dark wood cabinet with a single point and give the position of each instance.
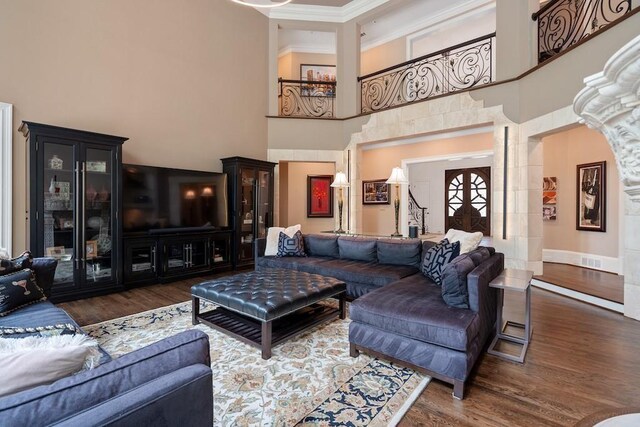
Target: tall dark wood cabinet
(250, 203)
(75, 183)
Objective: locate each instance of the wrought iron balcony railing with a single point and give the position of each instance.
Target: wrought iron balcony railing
(563, 23)
(452, 69)
(304, 98)
(418, 214)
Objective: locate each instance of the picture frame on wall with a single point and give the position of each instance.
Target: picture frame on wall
(375, 192)
(319, 196)
(318, 72)
(591, 196)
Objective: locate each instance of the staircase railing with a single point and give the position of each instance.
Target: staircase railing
(304, 98)
(417, 213)
(448, 70)
(563, 23)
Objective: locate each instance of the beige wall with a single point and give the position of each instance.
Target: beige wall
(184, 81)
(383, 56)
(295, 201)
(289, 64)
(377, 164)
(562, 153)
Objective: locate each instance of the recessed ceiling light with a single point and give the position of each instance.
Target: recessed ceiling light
(262, 3)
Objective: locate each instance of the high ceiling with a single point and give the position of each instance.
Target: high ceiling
(332, 3)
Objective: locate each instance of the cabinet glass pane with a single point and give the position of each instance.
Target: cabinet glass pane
(98, 215)
(176, 256)
(220, 252)
(58, 210)
(247, 212)
(198, 254)
(263, 203)
(142, 259)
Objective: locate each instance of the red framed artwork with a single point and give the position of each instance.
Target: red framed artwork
(319, 196)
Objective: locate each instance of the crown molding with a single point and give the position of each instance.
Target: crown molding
(302, 12)
(433, 22)
(305, 49)
(434, 137)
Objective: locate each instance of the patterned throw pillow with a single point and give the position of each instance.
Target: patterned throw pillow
(17, 290)
(8, 266)
(38, 331)
(437, 257)
(291, 246)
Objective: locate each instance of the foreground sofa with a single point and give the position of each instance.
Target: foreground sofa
(397, 312)
(166, 383)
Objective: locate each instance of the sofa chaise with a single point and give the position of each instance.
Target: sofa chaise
(166, 383)
(399, 313)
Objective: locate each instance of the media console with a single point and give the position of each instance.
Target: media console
(172, 255)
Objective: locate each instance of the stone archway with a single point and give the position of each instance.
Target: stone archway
(450, 113)
(610, 103)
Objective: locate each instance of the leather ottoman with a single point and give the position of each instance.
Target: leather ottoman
(267, 307)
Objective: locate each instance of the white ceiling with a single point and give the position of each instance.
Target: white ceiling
(406, 17)
(330, 3)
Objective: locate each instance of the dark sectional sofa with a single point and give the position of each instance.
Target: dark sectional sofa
(399, 313)
(166, 383)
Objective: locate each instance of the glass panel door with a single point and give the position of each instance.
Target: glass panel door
(247, 212)
(176, 256)
(98, 214)
(198, 253)
(58, 210)
(263, 203)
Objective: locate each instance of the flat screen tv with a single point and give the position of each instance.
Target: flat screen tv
(156, 199)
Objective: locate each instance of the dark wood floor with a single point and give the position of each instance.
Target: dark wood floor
(582, 359)
(599, 284)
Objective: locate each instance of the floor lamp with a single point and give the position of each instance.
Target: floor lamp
(397, 177)
(340, 182)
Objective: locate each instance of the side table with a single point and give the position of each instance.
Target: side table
(518, 281)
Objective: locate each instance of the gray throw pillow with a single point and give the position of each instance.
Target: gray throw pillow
(291, 246)
(437, 258)
(454, 281)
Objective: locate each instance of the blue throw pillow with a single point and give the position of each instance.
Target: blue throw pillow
(17, 290)
(8, 266)
(291, 246)
(437, 257)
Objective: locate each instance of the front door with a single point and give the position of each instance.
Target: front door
(468, 199)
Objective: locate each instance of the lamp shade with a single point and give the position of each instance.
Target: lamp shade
(340, 181)
(262, 3)
(397, 177)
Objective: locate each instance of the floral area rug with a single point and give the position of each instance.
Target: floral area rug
(310, 380)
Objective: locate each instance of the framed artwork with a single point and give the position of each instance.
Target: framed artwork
(549, 213)
(549, 190)
(375, 192)
(91, 249)
(55, 252)
(591, 196)
(319, 196)
(317, 72)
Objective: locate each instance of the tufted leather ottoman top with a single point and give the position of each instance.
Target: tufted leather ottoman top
(270, 293)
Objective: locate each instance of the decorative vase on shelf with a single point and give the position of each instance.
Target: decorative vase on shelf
(53, 187)
(55, 162)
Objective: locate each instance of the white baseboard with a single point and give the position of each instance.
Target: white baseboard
(580, 259)
(609, 305)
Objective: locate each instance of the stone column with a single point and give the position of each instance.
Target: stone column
(610, 103)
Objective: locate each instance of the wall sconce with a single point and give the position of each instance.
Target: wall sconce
(340, 182)
(190, 195)
(397, 177)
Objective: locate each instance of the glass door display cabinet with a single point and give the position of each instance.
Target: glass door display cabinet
(74, 184)
(251, 204)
